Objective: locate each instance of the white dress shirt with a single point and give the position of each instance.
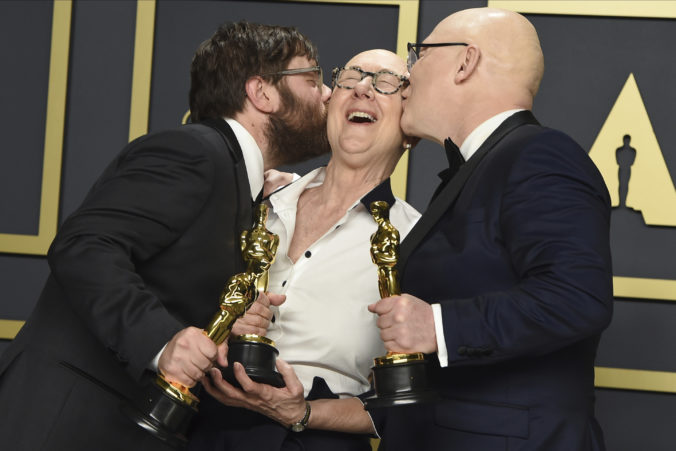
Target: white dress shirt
(468, 148)
(324, 327)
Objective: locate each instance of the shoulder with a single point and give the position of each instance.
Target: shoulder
(192, 137)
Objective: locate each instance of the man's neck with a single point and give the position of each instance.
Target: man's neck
(255, 124)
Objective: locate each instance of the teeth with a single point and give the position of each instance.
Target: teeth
(360, 116)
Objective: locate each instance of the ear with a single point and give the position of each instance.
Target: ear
(262, 95)
(469, 63)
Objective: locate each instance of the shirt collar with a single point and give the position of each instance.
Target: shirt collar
(380, 192)
(475, 139)
(288, 197)
(253, 157)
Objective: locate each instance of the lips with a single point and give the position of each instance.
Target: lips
(361, 117)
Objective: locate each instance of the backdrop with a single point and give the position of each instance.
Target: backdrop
(81, 78)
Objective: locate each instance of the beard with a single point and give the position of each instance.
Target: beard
(297, 132)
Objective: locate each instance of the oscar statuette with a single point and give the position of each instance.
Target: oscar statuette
(398, 378)
(167, 407)
(256, 353)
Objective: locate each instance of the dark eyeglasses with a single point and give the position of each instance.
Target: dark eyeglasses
(302, 70)
(414, 50)
(383, 81)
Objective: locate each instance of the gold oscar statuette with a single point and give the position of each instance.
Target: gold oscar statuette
(398, 378)
(168, 406)
(256, 353)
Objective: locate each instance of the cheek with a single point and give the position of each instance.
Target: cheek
(333, 128)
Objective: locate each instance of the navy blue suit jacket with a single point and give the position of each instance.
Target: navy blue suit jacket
(515, 249)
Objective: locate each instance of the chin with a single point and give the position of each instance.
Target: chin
(408, 125)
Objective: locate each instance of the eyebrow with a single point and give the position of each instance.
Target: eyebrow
(375, 72)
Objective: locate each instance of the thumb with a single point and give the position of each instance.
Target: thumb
(276, 299)
(290, 379)
(222, 355)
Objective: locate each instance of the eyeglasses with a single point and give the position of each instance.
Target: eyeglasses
(414, 50)
(383, 81)
(302, 70)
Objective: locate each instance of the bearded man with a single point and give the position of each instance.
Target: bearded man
(137, 270)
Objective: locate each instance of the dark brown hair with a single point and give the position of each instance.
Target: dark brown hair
(237, 51)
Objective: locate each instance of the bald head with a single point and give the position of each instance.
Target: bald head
(383, 57)
(453, 89)
(509, 45)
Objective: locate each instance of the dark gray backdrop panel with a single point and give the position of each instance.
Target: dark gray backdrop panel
(23, 96)
(99, 94)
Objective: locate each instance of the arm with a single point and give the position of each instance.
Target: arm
(131, 214)
(554, 222)
(286, 405)
(553, 226)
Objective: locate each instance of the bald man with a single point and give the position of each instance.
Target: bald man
(507, 276)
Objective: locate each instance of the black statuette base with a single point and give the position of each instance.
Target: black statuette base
(258, 360)
(400, 384)
(162, 415)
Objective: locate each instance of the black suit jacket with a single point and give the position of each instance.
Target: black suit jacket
(515, 249)
(147, 253)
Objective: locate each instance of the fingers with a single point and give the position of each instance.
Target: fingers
(262, 299)
(292, 382)
(406, 324)
(276, 299)
(222, 355)
(187, 356)
(383, 306)
(221, 390)
(257, 319)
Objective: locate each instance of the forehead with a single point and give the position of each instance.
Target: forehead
(445, 30)
(299, 62)
(375, 60)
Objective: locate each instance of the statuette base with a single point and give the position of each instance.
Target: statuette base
(161, 414)
(258, 355)
(398, 384)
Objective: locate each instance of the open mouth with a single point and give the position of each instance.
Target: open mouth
(360, 117)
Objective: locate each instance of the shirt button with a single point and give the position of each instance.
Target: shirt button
(284, 283)
(308, 254)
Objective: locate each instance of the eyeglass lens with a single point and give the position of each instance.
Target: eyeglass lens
(385, 82)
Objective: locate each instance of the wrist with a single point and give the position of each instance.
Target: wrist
(302, 423)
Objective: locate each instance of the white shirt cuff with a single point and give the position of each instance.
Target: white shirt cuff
(442, 352)
(153, 366)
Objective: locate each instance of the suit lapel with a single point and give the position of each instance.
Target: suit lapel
(244, 210)
(450, 193)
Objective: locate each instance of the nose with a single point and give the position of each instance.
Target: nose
(364, 88)
(326, 93)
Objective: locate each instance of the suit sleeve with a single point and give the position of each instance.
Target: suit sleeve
(553, 225)
(141, 204)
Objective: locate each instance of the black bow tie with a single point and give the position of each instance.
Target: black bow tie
(455, 160)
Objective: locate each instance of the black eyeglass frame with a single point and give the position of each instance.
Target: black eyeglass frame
(301, 70)
(403, 80)
(414, 49)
